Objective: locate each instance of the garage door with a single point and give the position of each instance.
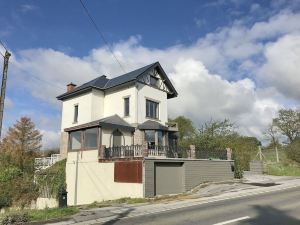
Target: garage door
(168, 178)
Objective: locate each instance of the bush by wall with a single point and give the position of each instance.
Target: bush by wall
(293, 150)
(51, 180)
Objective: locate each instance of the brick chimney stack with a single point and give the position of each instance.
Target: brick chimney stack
(71, 87)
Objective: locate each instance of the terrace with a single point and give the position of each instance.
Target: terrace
(142, 151)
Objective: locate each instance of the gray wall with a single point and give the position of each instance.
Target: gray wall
(195, 171)
(256, 167)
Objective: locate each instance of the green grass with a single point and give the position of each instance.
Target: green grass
(42, 215)
(55, 213)
(285, 167)
(118, 201)
(134, 201)
(282, 169)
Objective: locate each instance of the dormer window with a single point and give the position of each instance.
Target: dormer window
(153, 81)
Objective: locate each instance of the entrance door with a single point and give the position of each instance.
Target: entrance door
(117, 138)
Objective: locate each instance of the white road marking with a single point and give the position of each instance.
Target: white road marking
(232, 221)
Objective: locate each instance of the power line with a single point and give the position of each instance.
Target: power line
(1, 42)
(101, 35)
(2, 54)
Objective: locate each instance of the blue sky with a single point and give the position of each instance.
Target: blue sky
(224, 57)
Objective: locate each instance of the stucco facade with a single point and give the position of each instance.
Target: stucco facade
(89, 181)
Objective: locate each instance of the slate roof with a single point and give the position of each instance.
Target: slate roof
(103, 83)
(152, 125)
(114, 121)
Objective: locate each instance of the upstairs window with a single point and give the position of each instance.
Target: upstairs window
(126, 106)
(151, 109)
(75, 113)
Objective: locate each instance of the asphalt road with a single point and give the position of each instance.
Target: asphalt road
(275, 208)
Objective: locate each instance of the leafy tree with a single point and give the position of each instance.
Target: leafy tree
(288, 122)
(185, 127)
(23, 140)
(216, 128)
(293, 150)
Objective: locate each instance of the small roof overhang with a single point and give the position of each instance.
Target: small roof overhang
(152, 125)
(113, 122)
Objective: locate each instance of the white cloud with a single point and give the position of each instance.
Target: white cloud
(281, 69)
(203, 96)
(50, 139)
(27, 8)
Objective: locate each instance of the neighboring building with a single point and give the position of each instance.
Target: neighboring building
(118, 142)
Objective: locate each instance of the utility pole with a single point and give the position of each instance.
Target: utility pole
(3, 86)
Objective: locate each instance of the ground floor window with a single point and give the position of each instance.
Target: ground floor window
(150, 138)
(75, 140)
(84, 139)
(90, 138)
(154, 138)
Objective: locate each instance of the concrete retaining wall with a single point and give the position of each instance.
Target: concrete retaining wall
(256, 167)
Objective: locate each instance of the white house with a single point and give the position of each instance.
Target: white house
(117, 140)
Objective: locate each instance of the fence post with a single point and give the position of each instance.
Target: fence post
(102, 152)
(229, 153)
(145, 150)
(192, 152)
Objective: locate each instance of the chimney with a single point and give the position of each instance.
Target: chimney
(70, 87)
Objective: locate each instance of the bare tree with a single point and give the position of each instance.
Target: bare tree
(23, 139)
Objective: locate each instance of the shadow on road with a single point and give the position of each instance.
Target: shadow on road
(119, 217)
(268, 215)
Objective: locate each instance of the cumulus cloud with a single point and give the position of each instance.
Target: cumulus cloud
(203, 96)
(50, 139)
(281, 68)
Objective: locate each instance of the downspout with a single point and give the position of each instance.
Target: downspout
(137, 103)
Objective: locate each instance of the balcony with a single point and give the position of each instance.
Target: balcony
(172, 126)
(136, 151)
(142, 151)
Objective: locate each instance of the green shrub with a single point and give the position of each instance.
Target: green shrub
(5, 200)
(238, 169)
(293, 150)
(9, 173)
(16, 218)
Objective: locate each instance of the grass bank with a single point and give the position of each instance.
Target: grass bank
(282, 169)
(285, 166)
(20, 217)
